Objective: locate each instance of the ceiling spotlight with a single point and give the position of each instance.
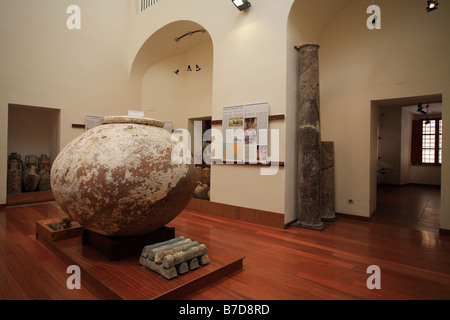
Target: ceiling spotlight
(189, 68)
(420, 108)
(241, 4)
(197, 68)
(432, 5)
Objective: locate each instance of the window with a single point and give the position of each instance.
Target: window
(427, 142)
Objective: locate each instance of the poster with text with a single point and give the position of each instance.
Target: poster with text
(245, 130)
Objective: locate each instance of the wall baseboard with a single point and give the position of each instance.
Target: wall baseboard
(260, 217)
(29, 198)
(354, 217)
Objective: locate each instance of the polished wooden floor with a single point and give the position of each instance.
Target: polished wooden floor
(410, 206)
(289, 264)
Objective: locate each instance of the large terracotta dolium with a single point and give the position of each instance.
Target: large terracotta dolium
(118, 179)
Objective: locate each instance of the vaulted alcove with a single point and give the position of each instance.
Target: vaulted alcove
(176, 68)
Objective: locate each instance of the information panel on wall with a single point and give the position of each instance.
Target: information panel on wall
(245, 132)
(91, 122)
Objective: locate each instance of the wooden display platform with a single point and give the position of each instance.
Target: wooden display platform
(118, 248)
(127, 280)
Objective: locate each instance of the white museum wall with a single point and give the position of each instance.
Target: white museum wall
(44, 64)
(249, 66)
(177, 98)
(390, 143)
(430, 175)
(445, 168)
(405, 152)
(360, 65)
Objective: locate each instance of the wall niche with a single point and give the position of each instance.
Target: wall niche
(33, 144)
(203, 160)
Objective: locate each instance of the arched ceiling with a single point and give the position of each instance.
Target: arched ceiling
(310, 18)
(162, 45)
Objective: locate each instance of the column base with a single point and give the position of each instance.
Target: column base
(317, 226)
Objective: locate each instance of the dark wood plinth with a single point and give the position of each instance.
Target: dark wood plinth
(127, 280)
(118, 248)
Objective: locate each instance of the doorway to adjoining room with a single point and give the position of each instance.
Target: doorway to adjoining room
(409, 158)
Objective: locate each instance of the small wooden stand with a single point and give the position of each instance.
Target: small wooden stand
(43, 228)
(118, 248)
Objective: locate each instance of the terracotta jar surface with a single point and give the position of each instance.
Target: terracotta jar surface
(30, 178)
(118, 179)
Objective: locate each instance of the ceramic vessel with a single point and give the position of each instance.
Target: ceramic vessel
(30, 174)
(44, 173)
(118, 179)
(15, 169)
(201, 191)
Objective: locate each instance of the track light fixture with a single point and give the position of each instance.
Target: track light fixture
(432, 5)
(190, 33)
(241, 4)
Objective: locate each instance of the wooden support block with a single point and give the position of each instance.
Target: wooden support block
(168, 273)
(159, 256)
(182, 268)
(119, 248)
(191, 253)
(203, 260)
(193, 264)
(152, 253)
(175, 257)
(153, 246)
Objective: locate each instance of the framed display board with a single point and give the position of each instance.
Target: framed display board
(245, 133)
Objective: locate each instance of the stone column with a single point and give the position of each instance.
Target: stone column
(328, 181)
(309, 139)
